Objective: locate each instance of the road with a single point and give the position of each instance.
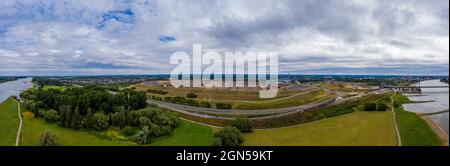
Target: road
(214, 111)
(227, 114)
(223, 114)
(20, 124)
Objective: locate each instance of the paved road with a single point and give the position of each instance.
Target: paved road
(262, 112)
(20, 125)
(210, 112)
(213, 113)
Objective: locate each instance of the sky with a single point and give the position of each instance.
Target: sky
(97, 37)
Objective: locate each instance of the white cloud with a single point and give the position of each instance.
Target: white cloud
(106, 36)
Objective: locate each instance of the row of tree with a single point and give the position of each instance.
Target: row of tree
(191, 102)
(95, 108)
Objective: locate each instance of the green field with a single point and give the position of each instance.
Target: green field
(187, 134)
(33, 127)
(61, 88)
(414, 130)
(354, 129)
(9, 122)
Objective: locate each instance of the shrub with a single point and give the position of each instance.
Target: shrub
(223, 106)
(161, 92)
(128, 131)
(243, 124)
(205, 104)
(47, 139)
(228, 136)
(100, 121)
(191, 95)
(179, 99)
(168, 99)
(370, 106)
(382, 107)
(143, 136)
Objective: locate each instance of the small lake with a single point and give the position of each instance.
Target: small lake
(14, 88)
(440, 98)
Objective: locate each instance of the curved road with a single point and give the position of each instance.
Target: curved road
(213, 113)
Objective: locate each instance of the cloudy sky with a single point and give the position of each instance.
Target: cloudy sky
(78, 37)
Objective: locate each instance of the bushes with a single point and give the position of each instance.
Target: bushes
(154, 123)
(243, 124)
(47, 139)
(191, 95)
(375, 107)
(128, 131)
(382, 107)
(161, 92)
(205, 104)
(223, 106)
(50, 115)
(100, 121)
(370, 106)
(228, 136)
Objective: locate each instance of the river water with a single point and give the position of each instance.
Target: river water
(440, 102)
(14, 88)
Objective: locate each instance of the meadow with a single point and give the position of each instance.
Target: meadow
(186, 134)
(9, 122)
(359, 128)
(414, 130)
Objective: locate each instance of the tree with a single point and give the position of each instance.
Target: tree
(228, 136)
(243, 124)
(128, 131)
(100, 121)
(191, 95)
(382, 107)
(142, 137)
(370, 106)
(50, 115)
(223, 106)
(47, 139)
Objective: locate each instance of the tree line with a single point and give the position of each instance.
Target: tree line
(95, 108)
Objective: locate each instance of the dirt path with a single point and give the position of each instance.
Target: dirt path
(397, 131)
(20, 125)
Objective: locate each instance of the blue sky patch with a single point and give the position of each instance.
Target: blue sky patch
(166, 38)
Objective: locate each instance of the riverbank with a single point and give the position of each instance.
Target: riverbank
(14, 88)
(435, 111)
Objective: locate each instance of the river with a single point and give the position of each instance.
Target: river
(439, 98)
(14, 88)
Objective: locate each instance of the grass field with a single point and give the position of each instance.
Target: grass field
(289, 102)
(61, 88)
(9, 122)
(187, 134)
(33, 127)
(414, 130)
(354, 129)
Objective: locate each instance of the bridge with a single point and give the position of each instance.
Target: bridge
(412, 87)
